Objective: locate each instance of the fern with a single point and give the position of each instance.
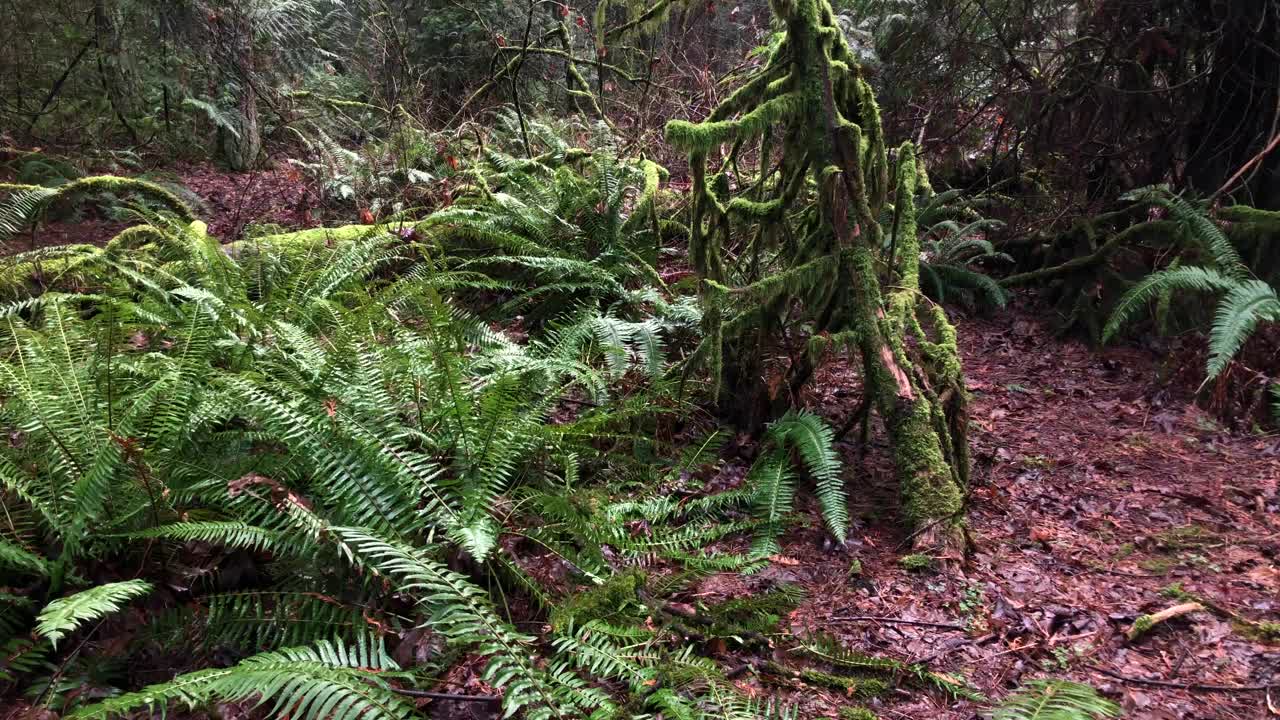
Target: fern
(1198, 226)
(227, 121)
(773, 483)
(64, 615)
(324, 682)
(814, 440)
(1055, 700)
(1245, 306)
(1246, 301)
(18, 558)
(1189, 278)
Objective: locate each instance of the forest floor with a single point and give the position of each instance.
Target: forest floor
(1098, 491)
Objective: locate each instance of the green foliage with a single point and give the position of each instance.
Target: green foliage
(805, 247)
(1245, 301)
(916, 562)
(332, 416)
(756, 614)
(25, 208)
(772, 482)
(328, 680)
(1055, 700)
(829, 650)
(617, 599)
(955, 248)
(64, 615)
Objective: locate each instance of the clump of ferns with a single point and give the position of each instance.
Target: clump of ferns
(338, 457)
(1245, 301)
(383, 176)
(955, 251)
(566, 224)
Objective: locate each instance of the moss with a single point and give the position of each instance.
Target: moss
(756, 211)
(706, 136)
(136, 237)
(862, 687)
(752, 614)
(1270, 219)
(1182, 538)
(1267, 632)
(916, 562)
(929, 493)
(17, 187)
(811, 106)
(1141, 626)
(856, 713)
(618, 597)
(344, 233)
(123, 186)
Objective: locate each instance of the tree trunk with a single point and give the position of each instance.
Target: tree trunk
(241, 152)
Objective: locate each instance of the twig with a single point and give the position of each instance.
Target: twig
(1275, 142)
(456, 697)
(1193, 687)
(896, 621)
(1147, 622)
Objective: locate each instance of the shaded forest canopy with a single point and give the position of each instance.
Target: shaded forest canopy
(639, 358)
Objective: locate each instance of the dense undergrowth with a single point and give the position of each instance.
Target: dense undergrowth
(328, 471)
(321, 470)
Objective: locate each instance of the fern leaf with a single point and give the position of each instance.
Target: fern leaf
(18, 558)
(64, 615)
(1055, 700)
(228, 121)
(814, 440)
(1196, 279)
(1246, 305)
(328, 682)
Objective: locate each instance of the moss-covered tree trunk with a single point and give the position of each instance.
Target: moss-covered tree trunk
(817, 129)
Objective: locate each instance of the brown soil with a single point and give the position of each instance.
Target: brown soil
(1095, 490)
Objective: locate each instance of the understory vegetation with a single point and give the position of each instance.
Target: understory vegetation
(469, 423)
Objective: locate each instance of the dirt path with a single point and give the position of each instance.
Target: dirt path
(1095, 490)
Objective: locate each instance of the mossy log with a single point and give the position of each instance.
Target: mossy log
(87, 187)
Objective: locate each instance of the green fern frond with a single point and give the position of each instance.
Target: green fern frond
(1055, 700)
(20, 559)
(1192, 279)
(1239, 313)
(1199, 227)
(461, 612)
(228, 121)
(774, 484)
(955, 277)
(814, 440)
(327, 682)
(64, 615)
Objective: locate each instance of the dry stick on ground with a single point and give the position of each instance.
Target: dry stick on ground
(455, 697)
(1193, 687)
(1147, 622)
(896, 621)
